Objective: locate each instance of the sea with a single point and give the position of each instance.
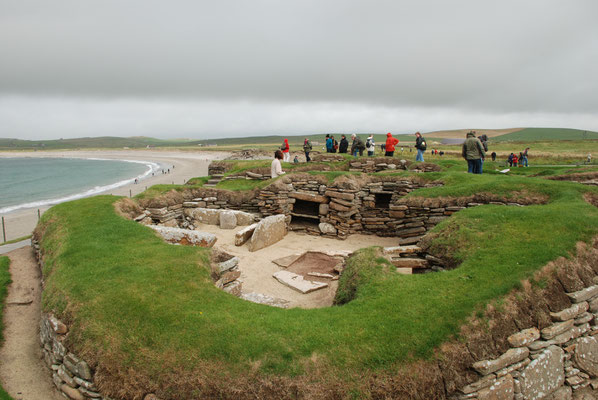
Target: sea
(36, 182)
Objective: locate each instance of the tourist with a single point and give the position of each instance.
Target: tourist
(307, 148)
(370, 145)
(523, 160)
(473, 152)
(589, 161)
(285, 150)
(420, 145)
(402, 149)
(329, 144)
(296, 160)
(515, 160)
(510, 159)
(390, 145)
(357, 145)
(343, 145)
(334, 144)
(276, 168)
(493, 155)
(383, 147)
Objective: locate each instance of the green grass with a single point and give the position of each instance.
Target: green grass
(4, 282)
(139, 302)
(546, 134)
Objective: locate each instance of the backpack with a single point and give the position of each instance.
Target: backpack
(423, 145)
(368, 143)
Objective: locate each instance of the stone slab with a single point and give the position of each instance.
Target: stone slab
(297, 282)
(543, 375)
(244, 234)
(267, 232)
(185, 236)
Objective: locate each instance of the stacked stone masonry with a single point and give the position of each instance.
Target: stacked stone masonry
(552, 363)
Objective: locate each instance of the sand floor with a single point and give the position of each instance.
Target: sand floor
(186, 165)
(257, 267)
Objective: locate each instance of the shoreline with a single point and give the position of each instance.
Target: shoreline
(183, 166)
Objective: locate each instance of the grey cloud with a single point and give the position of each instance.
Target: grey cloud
(534, 57)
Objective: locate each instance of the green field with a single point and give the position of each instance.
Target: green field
(546, 134)
(138, 304)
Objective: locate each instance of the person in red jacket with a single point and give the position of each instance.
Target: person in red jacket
(390, 145)
(285, 151)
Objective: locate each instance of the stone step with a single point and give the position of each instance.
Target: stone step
(404, 262)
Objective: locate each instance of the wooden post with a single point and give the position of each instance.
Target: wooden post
(3, 230)
(38, 215)
(130, 193)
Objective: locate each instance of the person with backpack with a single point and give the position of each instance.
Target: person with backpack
(307, 149)
(421, 146)
(344, 144)
(473, 152)
(515, 160)
(285, 150)
(510, 159)
(391, 142)
(370, 145)
(357, 145)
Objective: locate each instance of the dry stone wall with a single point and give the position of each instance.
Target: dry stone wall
(551, 363)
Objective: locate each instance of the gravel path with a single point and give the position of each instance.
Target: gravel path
(22, 370)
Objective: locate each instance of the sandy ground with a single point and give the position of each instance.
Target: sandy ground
(186, 165)
(22, 372)
(257, 267)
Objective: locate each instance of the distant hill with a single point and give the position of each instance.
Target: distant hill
(538, 134)
(104, 142)
(460, 133)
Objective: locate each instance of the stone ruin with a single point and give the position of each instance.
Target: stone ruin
(310, 204)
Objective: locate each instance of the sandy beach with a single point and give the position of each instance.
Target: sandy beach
(186, 165)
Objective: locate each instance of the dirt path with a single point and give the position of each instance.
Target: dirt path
(22, 372)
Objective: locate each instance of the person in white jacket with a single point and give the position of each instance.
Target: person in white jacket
(276, 169)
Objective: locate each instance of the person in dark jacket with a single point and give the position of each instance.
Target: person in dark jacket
(493, 156)
(420, 145)
(473, 152)
(328, 144)
(307, 149)
(357, 145)
(343, 145)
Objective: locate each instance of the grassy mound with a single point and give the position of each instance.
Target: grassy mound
(149, 319)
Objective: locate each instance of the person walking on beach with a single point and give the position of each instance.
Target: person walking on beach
(357, 145)
(344, 144)
(391, 142)
(285, 150)
(370, 145)
(276, 168)
(473, 152)
(420, 145)
(307, 149)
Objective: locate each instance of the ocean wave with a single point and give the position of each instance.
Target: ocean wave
(152, 167)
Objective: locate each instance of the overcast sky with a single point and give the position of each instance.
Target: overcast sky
(208, 69)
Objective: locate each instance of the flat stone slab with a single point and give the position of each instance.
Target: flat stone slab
(244, 235)
(402, 249)
(267, 232)
(185, 236)
(284, 262)
(409, 262)
(264, 299)
(297, 282)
